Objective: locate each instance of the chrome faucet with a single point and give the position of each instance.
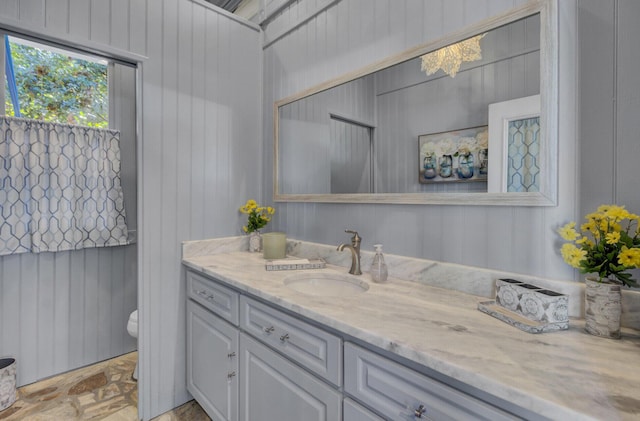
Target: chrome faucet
(355, 252)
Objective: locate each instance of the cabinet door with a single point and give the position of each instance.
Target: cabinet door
(273, 388)
(212, 363)
(354, 412)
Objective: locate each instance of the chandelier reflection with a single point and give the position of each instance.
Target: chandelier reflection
(450, 58)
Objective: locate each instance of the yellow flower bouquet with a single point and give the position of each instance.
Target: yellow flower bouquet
(258, 216)
(608, 244)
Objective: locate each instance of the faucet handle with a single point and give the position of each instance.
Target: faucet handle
(356, 238)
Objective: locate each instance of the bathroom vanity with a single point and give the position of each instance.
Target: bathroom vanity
(259, 349)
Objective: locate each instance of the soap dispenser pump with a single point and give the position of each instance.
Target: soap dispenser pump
(378, 266)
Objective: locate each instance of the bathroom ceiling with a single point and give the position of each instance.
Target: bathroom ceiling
(247, 9)
(228, 5)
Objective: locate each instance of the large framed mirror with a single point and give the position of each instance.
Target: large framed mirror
(415, 127)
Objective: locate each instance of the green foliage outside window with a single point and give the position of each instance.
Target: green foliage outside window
(57, 88)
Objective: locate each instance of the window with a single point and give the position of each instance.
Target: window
(63, 182)
(55, 85)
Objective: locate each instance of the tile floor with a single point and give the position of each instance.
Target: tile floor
(103, 391)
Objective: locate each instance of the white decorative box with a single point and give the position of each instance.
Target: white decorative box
(528, 307)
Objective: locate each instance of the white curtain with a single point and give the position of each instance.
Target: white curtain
(59, 187)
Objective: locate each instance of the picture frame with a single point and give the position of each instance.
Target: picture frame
(514, 146)
(455, 156)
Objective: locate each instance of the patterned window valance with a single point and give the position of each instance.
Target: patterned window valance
(59, 187)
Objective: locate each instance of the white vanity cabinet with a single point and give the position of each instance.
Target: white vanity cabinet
(315, 349)
(351, 411)
(249, 360)
(400, 393)
(212, 363)
(216, 297)
(213, 346)
(235, 376)
(274, 388)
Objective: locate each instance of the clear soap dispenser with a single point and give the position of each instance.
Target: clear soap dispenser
(378, 266)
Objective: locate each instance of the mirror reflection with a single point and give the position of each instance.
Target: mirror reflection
(420, 126)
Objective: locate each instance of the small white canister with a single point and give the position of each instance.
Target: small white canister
(7, 382)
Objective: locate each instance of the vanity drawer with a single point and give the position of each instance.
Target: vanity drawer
(400, 393)
(313, 348)
(221, 300)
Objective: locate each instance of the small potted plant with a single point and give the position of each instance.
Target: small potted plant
(608, 245)
(258, 217)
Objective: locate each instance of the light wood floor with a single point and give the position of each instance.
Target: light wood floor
(103, 391)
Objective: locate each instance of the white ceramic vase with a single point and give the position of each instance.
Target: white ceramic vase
(7, 382)
(255, 242)
(603, 308)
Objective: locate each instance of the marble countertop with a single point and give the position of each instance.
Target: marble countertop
(560, 375)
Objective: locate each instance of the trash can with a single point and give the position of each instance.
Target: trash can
(7, 382)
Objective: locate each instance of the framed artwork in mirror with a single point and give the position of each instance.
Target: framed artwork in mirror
(455, 156)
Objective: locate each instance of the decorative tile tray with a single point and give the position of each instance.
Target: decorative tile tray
(294, 263)
(518, 320)
(528, 307)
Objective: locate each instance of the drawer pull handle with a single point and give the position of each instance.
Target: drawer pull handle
(284, 337)
(231, 375)
(269, 329)
(231, 354)
(420, 411)
(205, 295)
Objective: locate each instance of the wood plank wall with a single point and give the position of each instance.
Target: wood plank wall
(610, 93)
(200, 160)
(347, 35)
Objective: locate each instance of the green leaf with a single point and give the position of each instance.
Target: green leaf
(54, 86)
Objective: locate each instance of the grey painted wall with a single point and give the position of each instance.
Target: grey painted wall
(344, 36)
(199, 161)
(610, 103)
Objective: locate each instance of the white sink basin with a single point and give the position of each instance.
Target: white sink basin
(326, 284)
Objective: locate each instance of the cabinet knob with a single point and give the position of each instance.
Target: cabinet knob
(231, 375)
(284, 337)
(231, 354)
(420, 411)
(269, 329)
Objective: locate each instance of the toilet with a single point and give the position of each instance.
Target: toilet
(132, 328)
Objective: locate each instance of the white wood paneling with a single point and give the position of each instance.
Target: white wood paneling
(100, 19)
(57, 14)
(200, 146)
(628, 105)
(65, 310)
(609, 103)
(597, 101)
(79, 21)
(510, 239)
(200, 162)
(32, 12)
